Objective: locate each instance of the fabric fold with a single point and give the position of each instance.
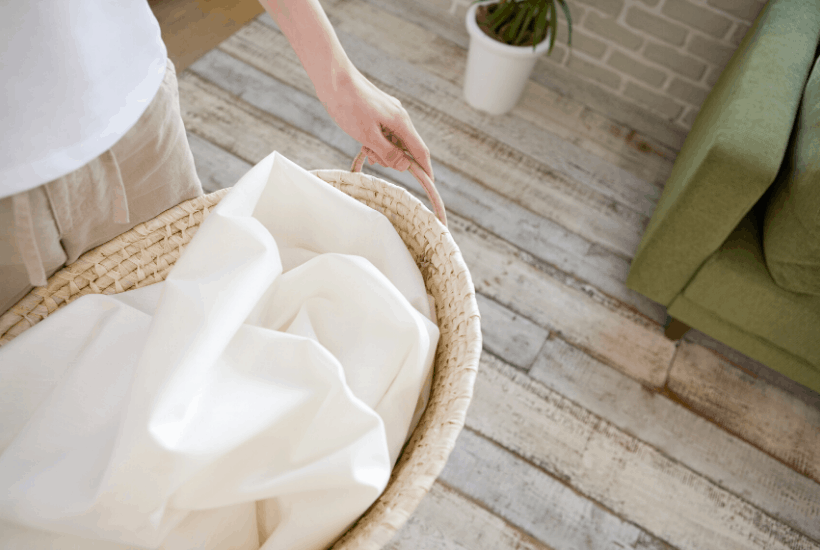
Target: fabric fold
(267, 384)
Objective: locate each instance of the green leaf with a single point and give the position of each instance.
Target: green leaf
(513, 34)
(569, 21)
(540, 25)
(501, 16)
(553, 26)
(531, 11)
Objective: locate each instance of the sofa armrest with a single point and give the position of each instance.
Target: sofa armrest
(734, 150)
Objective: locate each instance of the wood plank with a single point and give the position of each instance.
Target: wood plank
(548, 241)
(429, 54)
(434, 16)
(518, 176)
(535, 502)
(249, 133)
(626, 340)
(228, 114)
(513, 337)
(192, 27)
(634, 480)
(765, 416)
(755, 368)
(445, 520)
(512, 278)
(682, 435)
(215, 167)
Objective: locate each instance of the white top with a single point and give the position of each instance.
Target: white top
(76, 76)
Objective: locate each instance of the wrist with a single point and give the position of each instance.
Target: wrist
(336, 80)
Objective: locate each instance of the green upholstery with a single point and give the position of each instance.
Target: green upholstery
(734, 150)
(791, 237)
(702, 254)
(718, 328)
(735, 284)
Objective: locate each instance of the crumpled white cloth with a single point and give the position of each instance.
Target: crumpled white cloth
(259, 396)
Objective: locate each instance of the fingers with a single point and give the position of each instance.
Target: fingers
(397, 154)
(408, 136)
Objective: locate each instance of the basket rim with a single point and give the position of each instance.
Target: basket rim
(376, 526)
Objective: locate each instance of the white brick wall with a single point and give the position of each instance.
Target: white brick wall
(663, 55)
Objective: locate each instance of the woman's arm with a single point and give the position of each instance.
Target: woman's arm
(354, 103)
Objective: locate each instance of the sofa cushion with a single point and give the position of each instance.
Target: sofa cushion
(735, 285)
(791, 234)
(733, 152)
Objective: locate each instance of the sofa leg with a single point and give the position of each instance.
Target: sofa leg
(675, 329)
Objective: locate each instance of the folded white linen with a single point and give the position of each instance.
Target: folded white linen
(258, 396)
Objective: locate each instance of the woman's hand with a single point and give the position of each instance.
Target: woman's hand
(359, 108)
(375, 119)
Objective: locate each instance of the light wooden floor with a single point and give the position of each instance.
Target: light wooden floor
(588, 429)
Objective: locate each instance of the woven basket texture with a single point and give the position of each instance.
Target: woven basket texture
(145, 255)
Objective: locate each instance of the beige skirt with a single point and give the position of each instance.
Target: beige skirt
(149, 170)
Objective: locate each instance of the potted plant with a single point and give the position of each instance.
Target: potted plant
(506, 39)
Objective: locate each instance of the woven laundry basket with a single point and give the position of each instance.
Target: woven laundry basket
(145, 255)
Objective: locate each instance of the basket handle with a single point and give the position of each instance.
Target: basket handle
(420, 175)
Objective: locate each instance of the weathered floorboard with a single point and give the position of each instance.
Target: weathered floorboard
(678, 433)
(433, 15)
(765, 416)
(681, 435)
(552, 243)
(424, 54)
(618, 470)
(535, 502)
(575, 454)
(216, 168)
(445, 520)
(634, 345)
(518, 176)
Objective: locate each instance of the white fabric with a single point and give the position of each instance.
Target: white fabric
(77, 75)
(285, 359)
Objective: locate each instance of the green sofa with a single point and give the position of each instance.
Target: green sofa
(733, 247)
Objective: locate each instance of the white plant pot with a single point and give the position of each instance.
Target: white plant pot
(496, 73)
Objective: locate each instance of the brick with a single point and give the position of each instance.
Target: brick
(745, 9)
(703, 19)
(576, 12)
(644, 73)
(557, 55)
(610, 7)
(609, 29)
(582, 42)
(688, 119)
(712, 77)
(658, 103)
(687, 92)
(740, 32)
(656, 26)
(710, 50)
(669, 57)
(598, 74)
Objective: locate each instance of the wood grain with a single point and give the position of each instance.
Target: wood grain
(559, 144)
(537, 503)
(445, 520)
(550, 242)
(682, 435)
(498, 269)
(614, 468)
(580, 453)
(538, 187)
(765, 416)
(433, 15)
(192, 27)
